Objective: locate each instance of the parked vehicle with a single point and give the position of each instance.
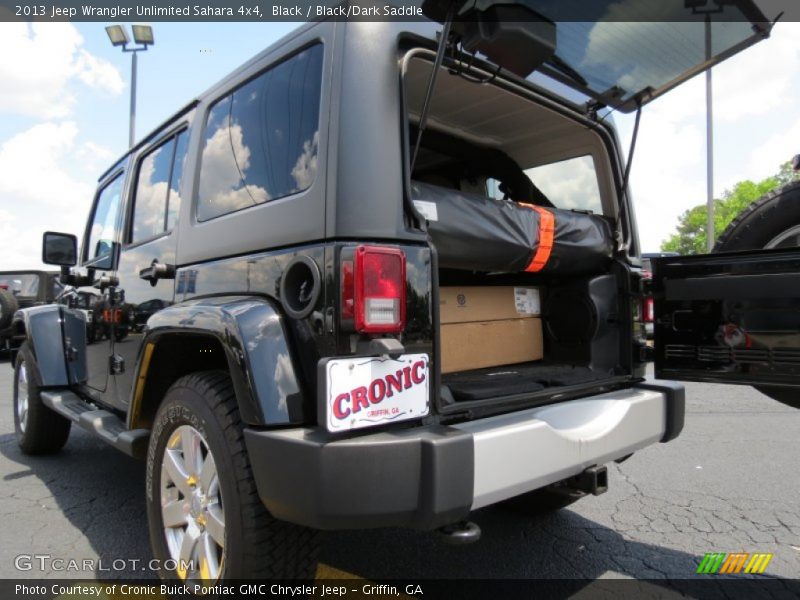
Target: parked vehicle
(381, 305)
(139, 315)
(21, 289)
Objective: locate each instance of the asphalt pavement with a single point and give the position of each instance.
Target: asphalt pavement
(729, 483)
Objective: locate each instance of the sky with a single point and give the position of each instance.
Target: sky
(64, 103)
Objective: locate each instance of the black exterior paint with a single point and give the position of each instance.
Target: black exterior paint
(729, 317)
(252, 333)
(421, 477)
(258, 342)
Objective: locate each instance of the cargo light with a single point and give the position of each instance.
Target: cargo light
(374, 290)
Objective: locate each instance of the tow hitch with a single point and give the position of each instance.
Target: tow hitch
(593, 480)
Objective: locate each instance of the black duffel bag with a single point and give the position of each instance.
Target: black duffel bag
(477, 233)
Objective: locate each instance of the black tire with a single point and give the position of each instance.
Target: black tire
(787, 396)
(543, 501)
(758, 225)
(8, 306)
(256, 544)
(91, 334)
(40, 430)
(762, 221)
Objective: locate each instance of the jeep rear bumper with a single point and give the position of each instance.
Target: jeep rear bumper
(426, 477)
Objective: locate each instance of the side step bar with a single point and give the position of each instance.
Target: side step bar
(106, 425)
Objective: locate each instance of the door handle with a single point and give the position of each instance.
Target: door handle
(157, 271)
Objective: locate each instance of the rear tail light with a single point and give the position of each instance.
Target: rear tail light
(649, 312)
(374, 290)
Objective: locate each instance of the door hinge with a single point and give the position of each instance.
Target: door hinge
(116, 364)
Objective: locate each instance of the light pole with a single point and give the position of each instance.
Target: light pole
(709, 143)
(143, 36)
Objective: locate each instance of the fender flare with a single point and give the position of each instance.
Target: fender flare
(41, 326)
(252, 333)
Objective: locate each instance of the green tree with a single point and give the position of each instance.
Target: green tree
(692, 233)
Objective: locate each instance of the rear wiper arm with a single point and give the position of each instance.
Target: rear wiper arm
(559, 65)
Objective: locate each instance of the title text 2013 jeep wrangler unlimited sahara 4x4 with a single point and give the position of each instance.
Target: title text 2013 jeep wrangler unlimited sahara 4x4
(396, 283)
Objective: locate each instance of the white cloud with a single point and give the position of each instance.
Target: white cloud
(31, 169)
(776, 150)
(46, 58)
(305, 168)
(221, 187)
(38, 192)
(756, 82)
(754, 104)
(94, 158)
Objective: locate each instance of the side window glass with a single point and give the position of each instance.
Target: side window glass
(157, 201)
(174, 194)
(150, 202)
(103, 232)
(261, 141)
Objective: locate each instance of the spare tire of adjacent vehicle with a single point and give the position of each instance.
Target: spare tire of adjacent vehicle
(771, 222)
(8, 306)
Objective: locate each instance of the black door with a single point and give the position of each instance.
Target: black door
(97, 266)
(731, 318)
(146, 270)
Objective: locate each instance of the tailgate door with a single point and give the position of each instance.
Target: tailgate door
(729, 318)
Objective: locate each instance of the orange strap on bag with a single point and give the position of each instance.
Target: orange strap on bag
(547, 232)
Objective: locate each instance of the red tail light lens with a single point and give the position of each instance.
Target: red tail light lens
(649, 311)
(379, 285)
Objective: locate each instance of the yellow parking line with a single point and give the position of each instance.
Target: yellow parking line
(328, 572)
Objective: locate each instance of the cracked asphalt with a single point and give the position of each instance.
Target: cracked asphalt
(729, 483)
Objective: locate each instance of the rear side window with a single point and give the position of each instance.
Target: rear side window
(157, 198)
(261, 140)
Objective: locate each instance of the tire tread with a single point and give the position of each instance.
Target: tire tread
(752, 218)
(277, 549)
(46, 431)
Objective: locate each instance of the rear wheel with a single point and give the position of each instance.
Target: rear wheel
(202, 503)
(8, 306)
(39, 430)
(771, 222)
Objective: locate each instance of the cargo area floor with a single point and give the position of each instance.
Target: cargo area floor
(516, 379)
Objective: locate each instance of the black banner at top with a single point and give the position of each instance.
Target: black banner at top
(384, 10)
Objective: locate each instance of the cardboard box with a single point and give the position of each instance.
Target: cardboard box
(476, 345)
(469, 304)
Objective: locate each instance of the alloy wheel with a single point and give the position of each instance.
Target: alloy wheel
(191, 506)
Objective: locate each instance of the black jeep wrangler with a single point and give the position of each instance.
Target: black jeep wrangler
(389, 280)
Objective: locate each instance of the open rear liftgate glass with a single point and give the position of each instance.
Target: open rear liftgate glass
(732, 317)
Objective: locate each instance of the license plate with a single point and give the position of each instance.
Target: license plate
(370, 391)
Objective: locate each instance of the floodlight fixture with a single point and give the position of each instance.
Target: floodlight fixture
(143, 34)
(117, 35)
